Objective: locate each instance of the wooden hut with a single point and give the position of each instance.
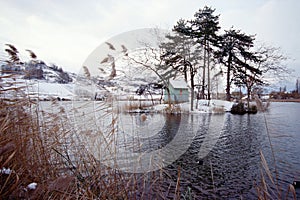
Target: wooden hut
(179, 91)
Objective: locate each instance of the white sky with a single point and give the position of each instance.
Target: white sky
(66, 32)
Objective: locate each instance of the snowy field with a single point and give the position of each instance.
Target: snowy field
(43, 90)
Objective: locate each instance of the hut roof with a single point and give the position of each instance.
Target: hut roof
(179, 84)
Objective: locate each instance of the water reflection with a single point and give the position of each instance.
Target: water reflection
(151, 135)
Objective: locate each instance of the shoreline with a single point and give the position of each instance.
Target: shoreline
(285, 100)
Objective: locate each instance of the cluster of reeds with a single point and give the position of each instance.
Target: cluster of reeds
(218, 109)
(27, 142)
(27, 146)
(172, 109)
(261, 106)
(40, 157)
(136, 105)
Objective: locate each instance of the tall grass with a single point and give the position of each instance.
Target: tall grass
(261, 106)
(42, 147)
(136, 105)
(269, 186)
(27, 143)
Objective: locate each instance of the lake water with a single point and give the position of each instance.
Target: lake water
(218, 156)
(235, 159)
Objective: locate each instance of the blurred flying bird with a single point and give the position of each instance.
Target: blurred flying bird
(110, 46)
(32, 55)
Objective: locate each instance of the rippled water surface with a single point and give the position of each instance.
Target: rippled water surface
(235, 159)
(221, 157)
(232, 169)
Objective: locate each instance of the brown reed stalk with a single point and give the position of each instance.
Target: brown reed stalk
(177, 188)
(262, 190)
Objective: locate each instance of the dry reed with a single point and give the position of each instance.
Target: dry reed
(41, 146)
(269, 187)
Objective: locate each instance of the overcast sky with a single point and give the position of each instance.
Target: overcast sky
(66, 32)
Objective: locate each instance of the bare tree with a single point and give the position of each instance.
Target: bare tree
(272, 63)
(269, 62)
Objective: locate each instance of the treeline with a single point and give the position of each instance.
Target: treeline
(282, 93)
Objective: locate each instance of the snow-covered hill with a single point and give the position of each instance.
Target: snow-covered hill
(45, 82)
(38, 80)
(38, 70)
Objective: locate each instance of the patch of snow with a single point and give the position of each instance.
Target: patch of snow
(44, 90)
(221, 103)
(160, 107)
(32, 186)
(204, 106)
(265, 97)
(37, 89)
(5, 171)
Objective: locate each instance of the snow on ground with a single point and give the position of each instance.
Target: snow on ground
(204, 106)
(46, 90)
(38, 89)
(32, 186)
(6, 171)
(215, 104)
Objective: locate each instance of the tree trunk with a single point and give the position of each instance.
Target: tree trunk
(169, 97)
(185, 73)
(192, 99)
(161, 95)
(192, 87)
(228, 96)
(203, 75)
(208, 74)
(248, 97)
(151, 98)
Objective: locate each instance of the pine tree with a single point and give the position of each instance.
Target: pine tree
(202, 30)
(234, 53)
(181, 53)
(205, 27)
(177, 49)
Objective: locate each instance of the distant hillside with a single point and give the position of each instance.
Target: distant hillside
(46, 82)
(39, 70)
(38, 80)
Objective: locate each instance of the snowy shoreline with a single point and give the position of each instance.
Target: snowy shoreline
(204, 106)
